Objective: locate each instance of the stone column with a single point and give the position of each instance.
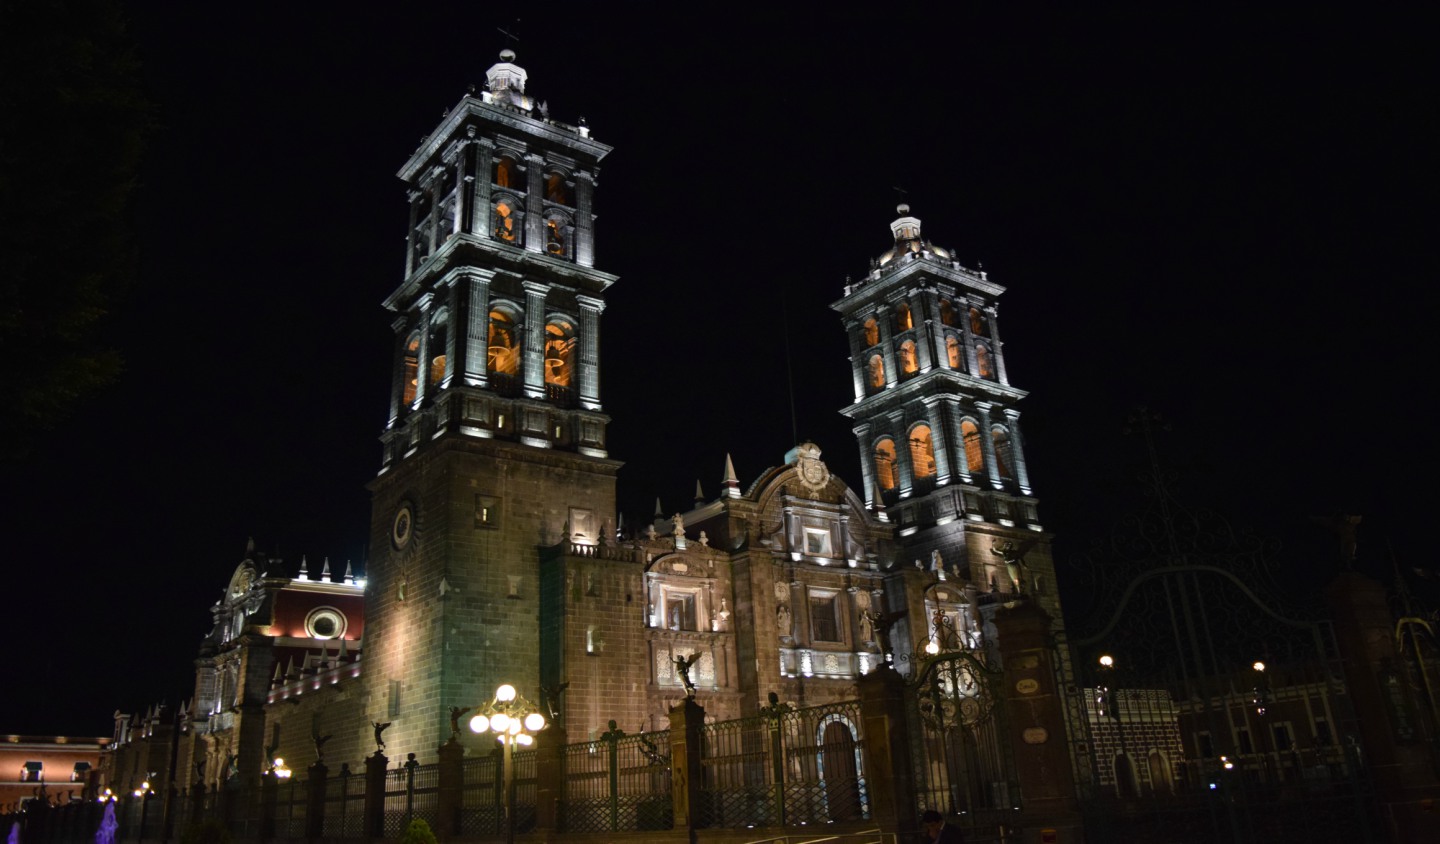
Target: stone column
(550, 777)
(534, 203)
(886, 752)
(857, 359)
(1395, 753)
(397, 372)
(410, 261)
(590, 310)
(449, 789)
(987, 444)
(533, 340)
(477, 327)
(995, 348)
(422, 355)
(452, 330)
(939, 439)
(1017, 451)
(924, 349)
(584, 218)
(686, 719)
(971, 364)
(372, 825)
(935, 327)
(457, 219)
(887, 345)
(1036, 723)
(951, 412)
(317, 776)
(480, 212)
(434, 185)
(867, 462)
(904, 468)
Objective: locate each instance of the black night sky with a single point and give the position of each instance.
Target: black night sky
(1224, 217)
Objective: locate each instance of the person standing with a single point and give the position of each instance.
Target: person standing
(938, 831)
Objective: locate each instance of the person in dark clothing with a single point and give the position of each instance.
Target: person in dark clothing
(938, 831)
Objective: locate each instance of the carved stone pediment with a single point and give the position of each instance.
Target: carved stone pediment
(684, 565)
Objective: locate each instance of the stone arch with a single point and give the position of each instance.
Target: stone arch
(504, 348)
(922, 450)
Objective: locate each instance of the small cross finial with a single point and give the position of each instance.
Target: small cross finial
(511, 39)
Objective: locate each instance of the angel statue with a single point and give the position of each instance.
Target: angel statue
(1014, 558)
(682, 667)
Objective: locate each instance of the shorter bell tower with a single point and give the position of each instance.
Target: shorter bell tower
(937, 418)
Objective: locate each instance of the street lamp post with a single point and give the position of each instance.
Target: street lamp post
(514, 720)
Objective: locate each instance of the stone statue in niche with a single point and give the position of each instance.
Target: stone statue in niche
(867, 627)
(782, 592)
(783, 621)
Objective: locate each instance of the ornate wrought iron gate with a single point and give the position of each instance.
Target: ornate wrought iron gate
(962, 759)
(1204, 704)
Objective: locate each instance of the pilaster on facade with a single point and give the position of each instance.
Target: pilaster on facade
(1017, 449)
(590, 310)
(533, 339)
(535, 203)
(484, 150)
(995, 347)
(987, 444)
(584, 218)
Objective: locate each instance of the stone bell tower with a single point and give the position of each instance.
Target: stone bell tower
(495, 442)
(937, 419)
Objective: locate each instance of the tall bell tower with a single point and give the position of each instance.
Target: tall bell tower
(936, 416)
(495, 442)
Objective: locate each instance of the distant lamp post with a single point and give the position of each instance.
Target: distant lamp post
(1261, 696)
(280, 769)
(514, 720)
(1103, 701)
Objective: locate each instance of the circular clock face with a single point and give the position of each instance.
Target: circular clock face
(403, 527)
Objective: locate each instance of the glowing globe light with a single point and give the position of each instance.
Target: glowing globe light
(479, 724)
(534, 721)
(524, 739)
(505, 693)
(1107, 660)
(499, 722)
(513, 726)
(1258, 666)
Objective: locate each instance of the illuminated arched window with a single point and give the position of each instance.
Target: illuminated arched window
(504, 351)
(982, 361)
(505, 175)
(885, 472)
(953, 352)
(877, 372)
(872, 332)
(1002, 450)
(977, 322)
(438, 328)
(922, 452)
(412, 368)
(908, 364)
(947, 312)
(903, 320)
(557, 240)
(559, 348)
(555, 188)
(974, 456)
(505, 228)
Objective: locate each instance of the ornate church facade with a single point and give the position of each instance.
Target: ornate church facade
(494, 552)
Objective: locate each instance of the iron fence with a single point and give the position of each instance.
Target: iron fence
(344, 806)
(618, 783)
(411, 791)
(784, 767)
